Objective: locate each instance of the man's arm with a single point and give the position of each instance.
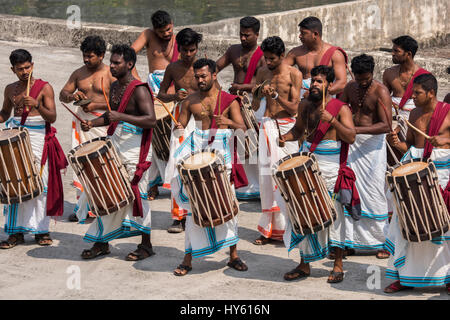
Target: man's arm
(382, 126)
(386, 81)
(345, 127)
(290, 57)
(234, 119)
(141, 42)
(165, 84)
(145, 108)
(345, 96)
(47, 108)
(185, 114)
(340, 72)
(5, 113)
(298, 130)
(224, 60)
(66, 94)
(291, 104)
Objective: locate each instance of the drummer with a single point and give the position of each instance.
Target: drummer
(181, 74)
(426, 263)
(311, 121)
(217, 112)
(32, 216)
(130, 122)
(84, 88)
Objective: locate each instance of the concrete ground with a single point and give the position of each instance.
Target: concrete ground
(33, 272)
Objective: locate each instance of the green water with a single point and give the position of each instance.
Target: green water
(138, 12)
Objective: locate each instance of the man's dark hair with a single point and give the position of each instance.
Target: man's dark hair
(311, 24)
(200, 63)
(126, 51)
(363, 64)
(274, 45)
(160, 19)
(93, 44)
(407, 43)
(250, 23)
(187, 37)
(328, 72)
(19, 56)
(428, 82)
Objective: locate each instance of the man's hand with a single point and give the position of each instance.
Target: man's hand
(393, 139)
(438, 141)
(222, 120)
(88, 107)
(29, 102)
(113, 116)
(79, 95)
(268, 91)
(235, 87)
(178, 125)
(325, 116)
(281, 141)
(181, 94)
(86, 125)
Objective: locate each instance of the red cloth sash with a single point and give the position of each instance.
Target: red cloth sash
(326, 58)
(175, 53)
(146, 140)
(256, 56)
(409, 89)
(56, 160)
(345, 183)
(238, 175)
(437, 119)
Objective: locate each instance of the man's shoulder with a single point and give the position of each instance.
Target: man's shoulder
(299, 50)
(391, 71)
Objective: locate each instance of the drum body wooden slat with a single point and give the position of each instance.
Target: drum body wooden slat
(252, 138)
(102, 175)
(20, 179)
(309, 206)
(162, 131)
(421, 209)
(208, 188)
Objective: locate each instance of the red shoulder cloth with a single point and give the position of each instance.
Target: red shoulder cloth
(146, 140)
(175, 53)
(437, 119)
(326, 58)
(256, 56)
(346, 181)
(409, 89)
(238, 175)
(56, 160)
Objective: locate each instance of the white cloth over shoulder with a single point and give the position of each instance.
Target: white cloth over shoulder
(407, 108)
(427, 263)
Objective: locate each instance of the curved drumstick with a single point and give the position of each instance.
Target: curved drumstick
(386, 114)
(106, 98)
(418, 130)
(167, 109)
(73, 113)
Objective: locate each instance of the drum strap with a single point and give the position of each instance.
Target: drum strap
(256, 56)
(346, 181)
(56, 160)
(146, 139)
(437, 119)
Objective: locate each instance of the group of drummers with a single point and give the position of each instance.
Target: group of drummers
(338, 165)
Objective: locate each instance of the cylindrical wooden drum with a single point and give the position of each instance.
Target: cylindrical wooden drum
(162, 131)
(252, 136)
(309, 205)
(206, 181)
(19, 177)
(102, 174)
(420, 206)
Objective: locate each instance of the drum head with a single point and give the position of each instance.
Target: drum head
(11, 135)
(160, 111)
(293, 163)
(199, 160)
(89, 148)
(409, 168)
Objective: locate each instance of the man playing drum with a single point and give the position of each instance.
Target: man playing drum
(85, 86)
(35, 112)
(327, 144)
(218, 113)
(426, 263)
(181, 74)
(246, 59)
(314, 52)
(282, 95)
(367, 156)
(162, 49)
(130, 123)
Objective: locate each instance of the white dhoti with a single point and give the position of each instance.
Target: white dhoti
(314, 247)
(407, 108)
(272, 222)
(30, 216)
(79, 136)
(121, 224)
(204, 241)
(426, 263)
(367, 158)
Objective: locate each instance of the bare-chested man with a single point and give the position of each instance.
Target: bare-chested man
(162, 49)
(367, 156)
(85, 83)
(34, 111)
(336, 123)
(246, 58)
(423, 263)
(218, 113)
(181, 74)
(130, 122)
(282, 95)
(314, 51)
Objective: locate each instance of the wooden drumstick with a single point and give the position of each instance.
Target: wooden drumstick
(396, 107)
(323, 96)
(29, 81)
(167, 109)
(281, 144)
(73, 113)
(418, 130)
(106, 98)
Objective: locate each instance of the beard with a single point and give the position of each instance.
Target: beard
(316, 95)
(206, 87)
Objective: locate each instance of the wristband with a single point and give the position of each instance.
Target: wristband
(332, 119)
(276, 96)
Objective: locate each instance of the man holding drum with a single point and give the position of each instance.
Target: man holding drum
(326, 125)
(217, 112)
(32, 102)
(426, 263)
(85, 87)
(130, 121)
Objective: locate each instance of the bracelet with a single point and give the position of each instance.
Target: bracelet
(276, 96)
(332, 119)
